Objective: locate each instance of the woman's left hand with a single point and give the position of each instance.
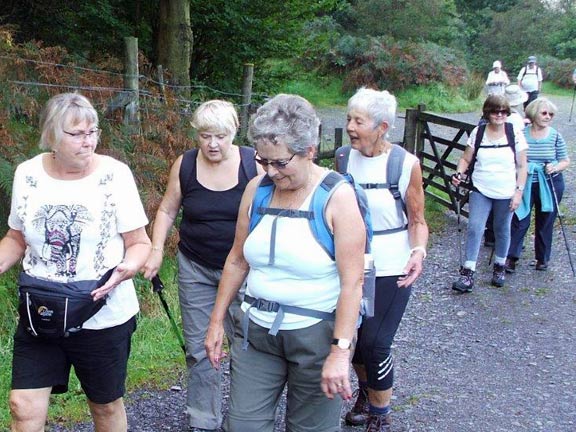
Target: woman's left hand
(412, 270)
(335, 374)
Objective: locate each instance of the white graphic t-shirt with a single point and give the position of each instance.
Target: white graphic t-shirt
(73, 228)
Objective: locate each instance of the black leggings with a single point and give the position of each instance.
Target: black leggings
(376, 334)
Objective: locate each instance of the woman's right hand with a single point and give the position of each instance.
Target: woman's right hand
(213, 344)
(153, 263)
(456, 179)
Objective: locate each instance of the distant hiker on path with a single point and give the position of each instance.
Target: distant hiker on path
(530, 79)
(495, 163)
(497, 79)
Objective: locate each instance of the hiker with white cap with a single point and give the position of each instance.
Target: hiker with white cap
(530, 80)
(497, 79)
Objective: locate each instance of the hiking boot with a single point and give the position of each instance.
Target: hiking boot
(541, 266)
(499, 275)
(358, 415)
(510, 265)
(379, 423)
(465, 282)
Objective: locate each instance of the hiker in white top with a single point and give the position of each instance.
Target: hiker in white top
(497, 79)
(530, 79)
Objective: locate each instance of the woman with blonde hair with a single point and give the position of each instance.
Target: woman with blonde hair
(207, 183)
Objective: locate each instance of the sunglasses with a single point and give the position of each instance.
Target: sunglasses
(551, 114)
(278, 164)
(499, 111)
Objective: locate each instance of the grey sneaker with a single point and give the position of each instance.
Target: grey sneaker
(499, 275)
(465, 282)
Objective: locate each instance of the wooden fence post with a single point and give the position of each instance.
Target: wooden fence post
(131, 74)
(246, 98)
(161, 83)
(412, 130)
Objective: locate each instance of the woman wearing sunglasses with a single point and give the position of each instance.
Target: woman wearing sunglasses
(497, 180)
(547, 159)
(301, 306)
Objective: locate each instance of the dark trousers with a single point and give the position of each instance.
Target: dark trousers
(544, 222)
(531, 96)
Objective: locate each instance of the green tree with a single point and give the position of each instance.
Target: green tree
(436, 20)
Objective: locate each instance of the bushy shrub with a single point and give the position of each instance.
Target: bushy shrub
(558, 71)
(395, 65)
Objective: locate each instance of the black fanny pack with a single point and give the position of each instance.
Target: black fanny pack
(57, 309)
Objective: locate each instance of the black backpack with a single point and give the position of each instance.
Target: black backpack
(508, 129)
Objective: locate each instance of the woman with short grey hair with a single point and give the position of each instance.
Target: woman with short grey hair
(302, 300)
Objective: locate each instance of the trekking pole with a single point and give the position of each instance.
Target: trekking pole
(157, 287)
(572, 107)
(561, 224)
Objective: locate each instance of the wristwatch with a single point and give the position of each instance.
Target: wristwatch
(342, 343)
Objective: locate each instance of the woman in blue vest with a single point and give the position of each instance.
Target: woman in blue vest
(398, 247)
(498, 177)
(301, 306)
(547, 159)
(207, 183)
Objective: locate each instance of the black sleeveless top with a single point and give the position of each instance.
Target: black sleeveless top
(209, 217)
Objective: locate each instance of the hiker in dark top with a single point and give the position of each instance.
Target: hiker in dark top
(207, 182)
(302, 303)
(498, 177)
(547, 159)
(398, 245)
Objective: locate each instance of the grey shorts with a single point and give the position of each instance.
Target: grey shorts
(292, 358)
(99, 357)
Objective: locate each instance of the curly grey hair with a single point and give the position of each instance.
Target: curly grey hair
(287, 119)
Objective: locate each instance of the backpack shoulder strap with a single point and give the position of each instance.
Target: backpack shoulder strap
(510, 137)
(261, 200)
(342, 155)
(319, 224)
(187, 168)
(247, 162)
(393, 173)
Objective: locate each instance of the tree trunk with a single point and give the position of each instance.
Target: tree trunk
(175, 39)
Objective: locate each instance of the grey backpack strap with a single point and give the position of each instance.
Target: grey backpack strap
(341, 157)
(393, 172)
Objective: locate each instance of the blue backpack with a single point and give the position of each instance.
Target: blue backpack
(316, 212)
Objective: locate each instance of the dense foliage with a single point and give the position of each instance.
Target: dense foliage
(326, 34)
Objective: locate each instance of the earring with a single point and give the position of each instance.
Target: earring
(53, 154)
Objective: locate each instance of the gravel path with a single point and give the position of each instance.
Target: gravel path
(498, 359)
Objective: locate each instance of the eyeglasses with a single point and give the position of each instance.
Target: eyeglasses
(278, 164)
(499, 111)
(551, 114)
(79, 136)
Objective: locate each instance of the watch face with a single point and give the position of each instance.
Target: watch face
(343, 343)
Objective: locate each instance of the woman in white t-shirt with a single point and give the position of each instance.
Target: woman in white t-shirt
(75, 216)
(498, 177)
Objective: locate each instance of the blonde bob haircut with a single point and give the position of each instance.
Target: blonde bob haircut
(216, 116)
(62, 111)
(536, 105)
